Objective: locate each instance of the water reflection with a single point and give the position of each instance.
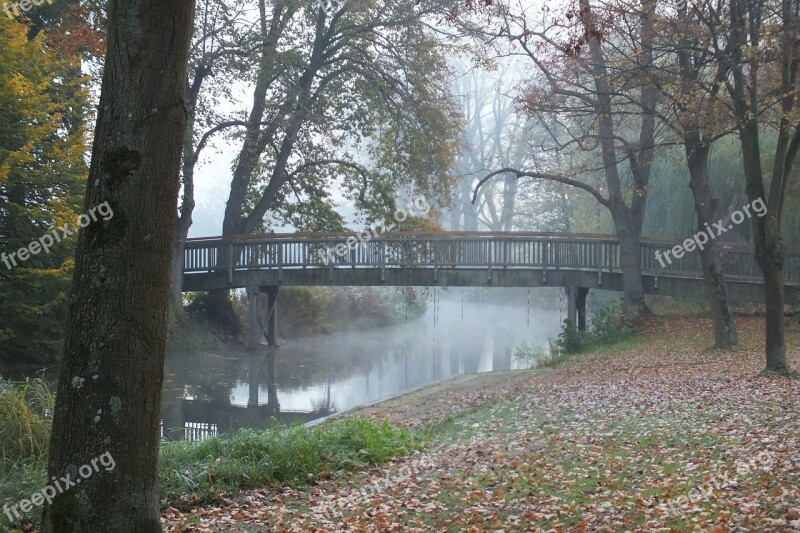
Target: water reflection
(304, 380)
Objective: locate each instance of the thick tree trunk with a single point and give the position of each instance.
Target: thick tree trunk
(109, 391)
(705, 204)
(633, 302)
(772, 270)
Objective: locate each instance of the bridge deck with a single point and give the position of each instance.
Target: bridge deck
(460, 259)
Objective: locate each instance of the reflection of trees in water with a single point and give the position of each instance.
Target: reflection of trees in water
(370, 365)
(343, 355)
(211, 411)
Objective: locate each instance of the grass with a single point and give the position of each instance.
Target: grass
(25, 411)
(560, 463)
(198, 473)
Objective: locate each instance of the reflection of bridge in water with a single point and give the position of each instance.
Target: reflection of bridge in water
(215, 414)
(265, 262)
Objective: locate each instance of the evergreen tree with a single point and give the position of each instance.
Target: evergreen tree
(43, 108)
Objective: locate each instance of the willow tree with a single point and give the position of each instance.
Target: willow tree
(109, 391)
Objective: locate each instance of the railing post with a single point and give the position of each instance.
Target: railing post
(545, 253)
(230, 264)
(383, 261)
(280, 262)
(331, 262)
(489, 244)
(435, 260)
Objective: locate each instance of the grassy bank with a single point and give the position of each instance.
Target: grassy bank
(659, 434)
(204, 472)
(199, 473)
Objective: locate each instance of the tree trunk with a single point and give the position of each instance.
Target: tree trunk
(109, 391)
(705, 206)
(633, 303)
(772, 270)
(510, 186)
(187, 208)
(469, 209)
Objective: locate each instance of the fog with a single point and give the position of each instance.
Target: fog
(462, 332)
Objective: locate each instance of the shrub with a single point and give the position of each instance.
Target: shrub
(536, 356)
(607, 324)
(189, 335)
(571, 340)
(219, 310)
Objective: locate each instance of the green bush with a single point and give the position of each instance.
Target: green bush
(607, 324)
(796, 308)
(189, 335)
(220, 310)
(571, 340)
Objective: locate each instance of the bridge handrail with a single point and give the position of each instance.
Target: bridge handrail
(552, 251)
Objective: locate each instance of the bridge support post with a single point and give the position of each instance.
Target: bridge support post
(576, 306)
(572, 308)
(580, 304)
(272, 318)
(254, 335)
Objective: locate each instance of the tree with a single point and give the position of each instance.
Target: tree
(366, 77)
(43, 108)
(759, 48)
(595, 71)
(494, 135)
(347, 93)
(109, 391)
(222, 49)
(691, 84)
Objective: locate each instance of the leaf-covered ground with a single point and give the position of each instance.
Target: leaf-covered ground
(666, 435)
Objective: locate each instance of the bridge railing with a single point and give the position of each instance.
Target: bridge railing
(528, 250)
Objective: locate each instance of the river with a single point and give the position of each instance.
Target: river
(304, 380)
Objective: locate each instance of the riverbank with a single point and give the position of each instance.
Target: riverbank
(661, 434)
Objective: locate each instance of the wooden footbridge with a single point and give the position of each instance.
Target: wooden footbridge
(266, 262)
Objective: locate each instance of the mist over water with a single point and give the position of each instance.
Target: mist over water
(307, 379)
